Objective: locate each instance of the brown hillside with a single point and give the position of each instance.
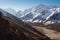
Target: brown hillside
(55, 26)
(11, 29)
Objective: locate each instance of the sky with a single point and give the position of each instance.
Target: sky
(25, 4)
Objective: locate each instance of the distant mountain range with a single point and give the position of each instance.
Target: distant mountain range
(38, 14)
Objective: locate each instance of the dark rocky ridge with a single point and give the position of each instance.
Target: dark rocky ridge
(12, 28)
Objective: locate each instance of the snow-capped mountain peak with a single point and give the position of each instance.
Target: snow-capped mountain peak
(11, 11)
(40, 13)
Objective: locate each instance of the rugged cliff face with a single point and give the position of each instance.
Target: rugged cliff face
(14, 30)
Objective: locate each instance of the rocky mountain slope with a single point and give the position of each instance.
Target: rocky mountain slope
(12, 28)
(40, 14)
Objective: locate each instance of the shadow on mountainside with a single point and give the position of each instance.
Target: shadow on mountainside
(15, 29)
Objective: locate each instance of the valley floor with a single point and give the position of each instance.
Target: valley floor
(54, 35)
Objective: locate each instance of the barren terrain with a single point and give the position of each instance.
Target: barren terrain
(54, 35)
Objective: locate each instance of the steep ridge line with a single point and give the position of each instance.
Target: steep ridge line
(18, 25)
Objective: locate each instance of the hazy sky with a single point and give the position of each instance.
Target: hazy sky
(25, 4)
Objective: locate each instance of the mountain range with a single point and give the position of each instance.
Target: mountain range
(19, 25)
(39, 14)
(12, 28)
